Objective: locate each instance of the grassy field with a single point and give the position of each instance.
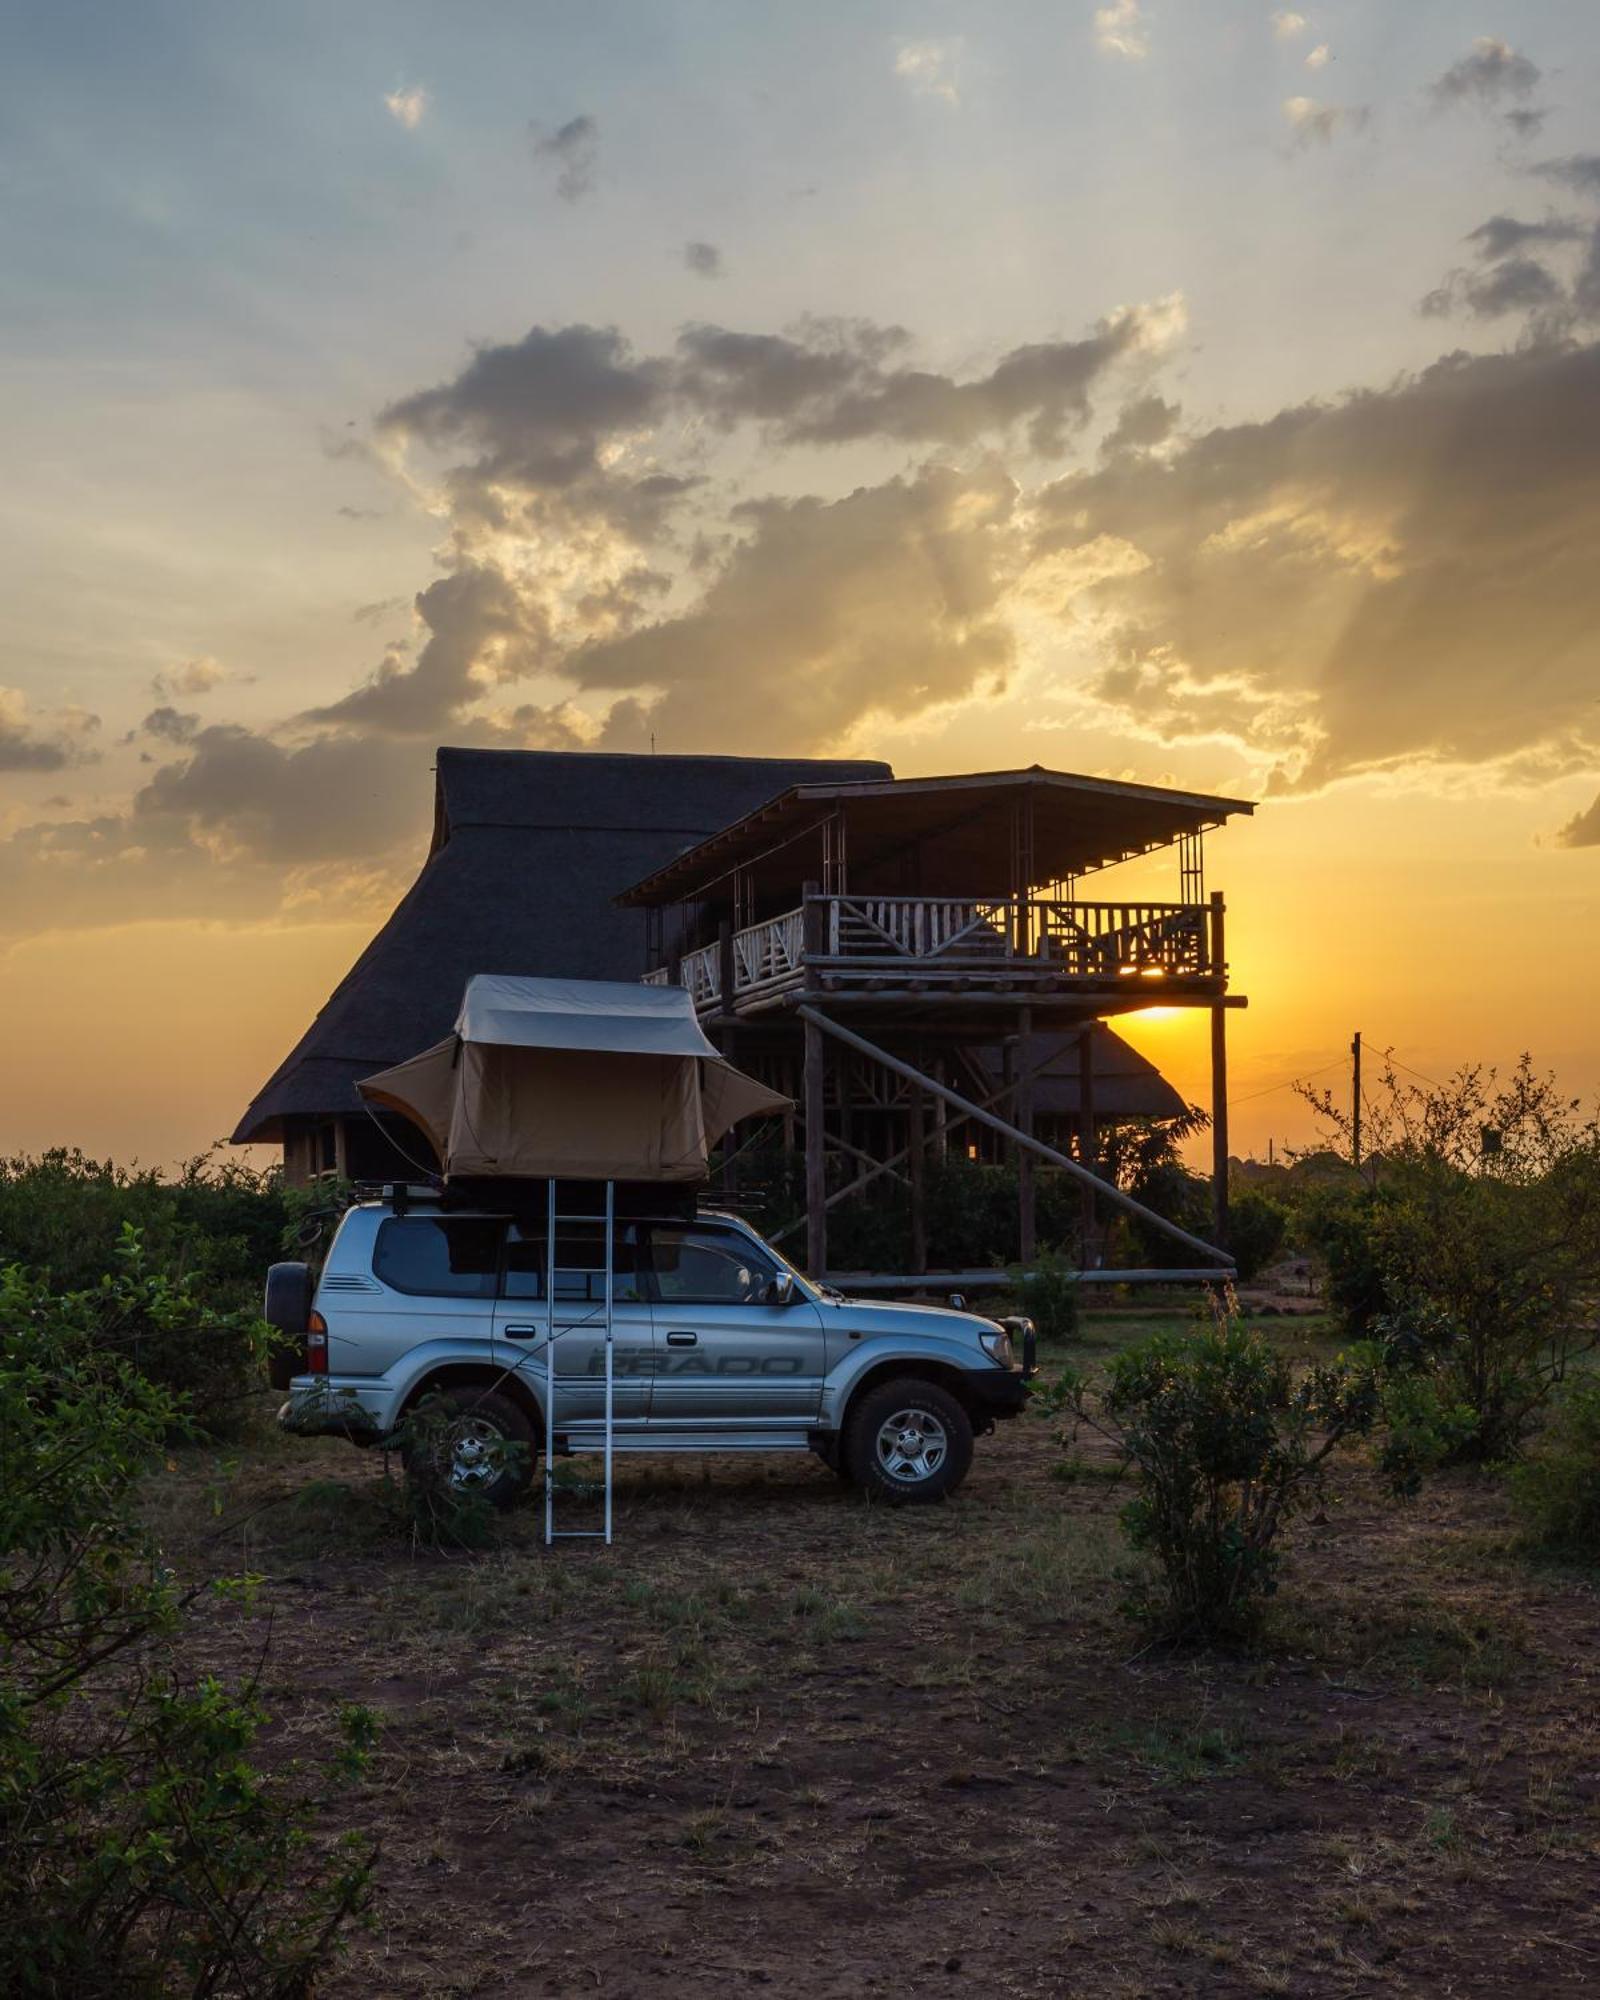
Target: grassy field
(780, 1740)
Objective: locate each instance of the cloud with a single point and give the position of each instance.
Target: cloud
(930, 68)
(888, 600)
(704, 259)
(573, 150)
(48, 742)
(1119, 30)
(1319, 57)
(1516, 274)
(1579, 171)
(1317, 124)
(171, 724)
(191, 677)
(838, 382)
(406, 107)
(1147, 421)
(1526, 124)
(1582, 830)
(1489, 73)
(1287, 25)
(1399, 577)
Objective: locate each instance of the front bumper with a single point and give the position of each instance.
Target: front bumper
(997, 1392)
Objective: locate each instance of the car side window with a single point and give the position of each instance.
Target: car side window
(435, 1256)
(580, 1262)
(694, 1266)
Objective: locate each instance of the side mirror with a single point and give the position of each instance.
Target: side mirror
(781, 1291)
(958, 1302)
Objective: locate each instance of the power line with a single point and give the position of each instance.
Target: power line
(1304, 1076)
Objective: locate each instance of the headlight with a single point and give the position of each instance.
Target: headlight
(996, 1341)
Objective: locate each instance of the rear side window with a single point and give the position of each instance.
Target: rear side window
(440, 1258)
(580, 1262)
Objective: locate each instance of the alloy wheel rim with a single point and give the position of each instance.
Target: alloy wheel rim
(912, 1445)
(474, 1453)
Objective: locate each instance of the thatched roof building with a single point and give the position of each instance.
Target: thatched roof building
(529, 848)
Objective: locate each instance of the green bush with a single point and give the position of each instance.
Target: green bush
(145, 1854)
(1256, 1227)
(1181, 1197)
(158, 1326)
(1227, 1445)
(1556, 1489)
(1050, 1295)
(201, 1243)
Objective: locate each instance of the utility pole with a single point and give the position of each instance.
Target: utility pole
(1355, 1100)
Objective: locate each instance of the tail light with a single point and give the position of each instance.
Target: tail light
(316, 1345)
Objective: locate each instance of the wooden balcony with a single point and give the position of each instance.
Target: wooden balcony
(917, 948)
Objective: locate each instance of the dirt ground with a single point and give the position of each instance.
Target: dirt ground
(777, 1739)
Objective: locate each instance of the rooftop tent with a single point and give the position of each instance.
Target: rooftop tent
(579, 1079)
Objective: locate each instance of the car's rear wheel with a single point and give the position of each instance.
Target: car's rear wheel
(908, 1441)
(472, 1443)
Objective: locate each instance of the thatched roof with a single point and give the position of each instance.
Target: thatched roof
(1126, 1084)
(530, 847)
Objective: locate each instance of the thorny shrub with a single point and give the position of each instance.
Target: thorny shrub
(1469, 1255)
(1556, 1489)
(146, 1854)
(1227, 1443)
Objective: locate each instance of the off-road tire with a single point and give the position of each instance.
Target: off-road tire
(287, 1308)
(880, 1455)
(469, 1421)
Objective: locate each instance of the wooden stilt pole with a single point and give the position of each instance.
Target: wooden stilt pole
(816, 1176)
(1088, 1146)
(1022, 1112)
(1219, 1124)
(917, 1146)
(816, 1136)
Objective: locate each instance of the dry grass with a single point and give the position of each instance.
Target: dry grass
(780, 1738)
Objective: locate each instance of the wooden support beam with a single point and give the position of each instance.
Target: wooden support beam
(1022, 1111)
(1219, 1080)
(1107, 1191)
(898, 1157)
(1219, 1123)
(1088, 1144)
(816, 1157)
(917, 1145)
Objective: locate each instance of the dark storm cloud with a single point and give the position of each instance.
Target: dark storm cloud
(1583, 830)
(1489, 73)
(573, 151)
(704, 259)
(1401, 575)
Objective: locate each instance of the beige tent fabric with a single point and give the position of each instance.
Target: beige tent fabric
(513, 1108)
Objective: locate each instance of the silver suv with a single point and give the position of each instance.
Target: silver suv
(719, 1345)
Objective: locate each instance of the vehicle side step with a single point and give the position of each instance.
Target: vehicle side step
(568, 1442)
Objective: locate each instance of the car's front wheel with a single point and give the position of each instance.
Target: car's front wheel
(908, 1441)
(472, 1442)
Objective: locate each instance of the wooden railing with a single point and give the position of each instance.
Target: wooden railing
(920, 936)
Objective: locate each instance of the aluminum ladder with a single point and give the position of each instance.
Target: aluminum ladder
(581, 1321)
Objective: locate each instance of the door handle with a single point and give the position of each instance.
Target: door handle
(522, 1332)
(683, 1339)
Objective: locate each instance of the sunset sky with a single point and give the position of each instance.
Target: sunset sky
(1193, 391)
